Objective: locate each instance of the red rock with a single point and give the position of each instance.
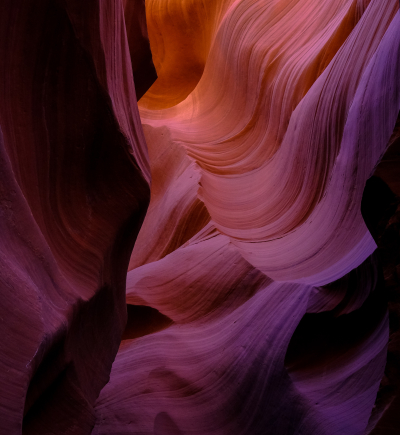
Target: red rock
(256, 302)
(74, 191)
(280, 321)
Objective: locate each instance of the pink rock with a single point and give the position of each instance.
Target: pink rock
(279, 318)
(256, 301)
(74, 183)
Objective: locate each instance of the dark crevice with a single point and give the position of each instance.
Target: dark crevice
(144, 320)
(378, 205)
(46, 395)
(381, 212)
(320, 338)
(46, 374)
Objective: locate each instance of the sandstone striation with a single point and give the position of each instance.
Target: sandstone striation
(220, 257)
(74, 189)
(276, 299)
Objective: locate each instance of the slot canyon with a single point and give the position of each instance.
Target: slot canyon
(199, 217)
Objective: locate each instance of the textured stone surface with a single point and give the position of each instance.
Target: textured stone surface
(74, 189)
(255, 300)
(276, 297)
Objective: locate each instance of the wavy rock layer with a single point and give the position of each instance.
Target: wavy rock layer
(265, 123)
(254, 300)
(73, 194)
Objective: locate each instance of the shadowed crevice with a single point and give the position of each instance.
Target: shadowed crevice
(144, 320)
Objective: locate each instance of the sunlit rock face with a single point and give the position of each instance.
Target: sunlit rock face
(257, 275)
(217, 260)
(74, 190)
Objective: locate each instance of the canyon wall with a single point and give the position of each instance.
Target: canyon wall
(221, 257)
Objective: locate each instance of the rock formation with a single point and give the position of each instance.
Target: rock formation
(74, 191)
(254, 245)
(256, 300)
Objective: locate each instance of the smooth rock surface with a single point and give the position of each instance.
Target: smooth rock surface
(218, 260)
(74, 183)
(279, 321)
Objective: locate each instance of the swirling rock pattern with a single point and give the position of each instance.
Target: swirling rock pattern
(255, 300)
(265, 123)
(74, 183)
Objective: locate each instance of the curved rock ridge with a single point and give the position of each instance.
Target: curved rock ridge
(74, 189)
(229, 373)
(254, 300)
(262, 132)
(181, 36)
(228, 129)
